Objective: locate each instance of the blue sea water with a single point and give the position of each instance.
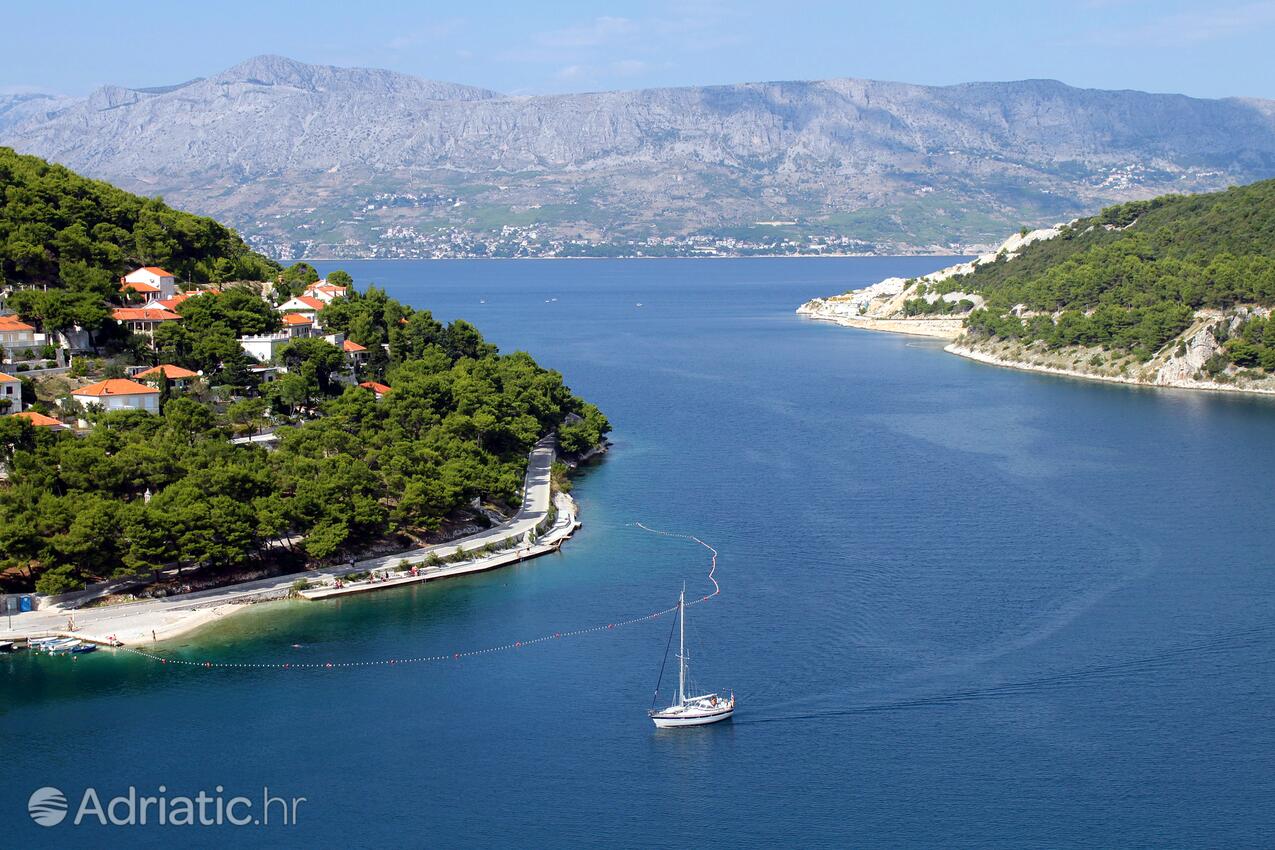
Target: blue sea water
(962, 607)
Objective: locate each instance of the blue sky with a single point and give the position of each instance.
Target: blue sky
(1207, 49)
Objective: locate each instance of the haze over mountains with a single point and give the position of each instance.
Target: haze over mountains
(320, 161)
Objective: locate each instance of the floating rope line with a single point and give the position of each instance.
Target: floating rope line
(455, 656)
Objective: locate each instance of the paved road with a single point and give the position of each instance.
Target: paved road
(156, 613)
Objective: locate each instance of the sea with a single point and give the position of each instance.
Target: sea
(961, 606)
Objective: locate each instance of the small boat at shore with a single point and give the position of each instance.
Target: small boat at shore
(60, 646)
(688, 710)
(83, 647)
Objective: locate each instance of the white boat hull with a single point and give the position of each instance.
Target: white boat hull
(664, 720)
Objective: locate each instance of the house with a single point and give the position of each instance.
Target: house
(297, 325)
(265, 374)
(264, 347)
(148, 281)
(118, 394)
(326, 292)
(39, 420)
(10, 394)
(378, 389)
(143, 320)
(16, 335)
(305, 305)
(355, 353)
(177, 376)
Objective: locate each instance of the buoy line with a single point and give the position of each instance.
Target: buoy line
(455, 656)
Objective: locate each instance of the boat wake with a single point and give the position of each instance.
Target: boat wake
(1217, 645)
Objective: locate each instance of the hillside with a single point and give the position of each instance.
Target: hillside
(1176, 290)
(57, 227)
(66, 240)
(322, 161)
(121, 478)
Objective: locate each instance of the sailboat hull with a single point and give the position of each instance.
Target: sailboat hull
(691, 715)
(665, 720)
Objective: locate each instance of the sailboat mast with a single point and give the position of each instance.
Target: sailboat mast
(681, 649)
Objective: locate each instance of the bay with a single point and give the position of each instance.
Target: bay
(962, 606)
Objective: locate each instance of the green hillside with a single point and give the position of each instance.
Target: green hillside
(1131, 277)
(76, 236)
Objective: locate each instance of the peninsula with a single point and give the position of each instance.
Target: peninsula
(183, 415)
(1175, 291)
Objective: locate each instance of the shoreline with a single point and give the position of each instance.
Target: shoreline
(917, 327)
(1005, 363)
(132, 628)
(147, 622)
(625, 257)
(908, 327)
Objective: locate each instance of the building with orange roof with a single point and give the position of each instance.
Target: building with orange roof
(297, 325)
(16, 334)
(143, 320)
(10, 394)
(378, 389)
(118, 394)
(305, 305)
(326, 292)
(150, 280)
(355, 353)
(178, 376)
(39, 420)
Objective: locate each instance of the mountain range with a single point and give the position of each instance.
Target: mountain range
(310, 160)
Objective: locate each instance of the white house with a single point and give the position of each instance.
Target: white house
(355, 353)
(264, 347)
(303, 305)
(15, 334)
(326, 292)
(11, 392)
(118, 394)
(143, 320)
(150, 280)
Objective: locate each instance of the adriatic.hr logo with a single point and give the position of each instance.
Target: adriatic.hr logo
(47, 806)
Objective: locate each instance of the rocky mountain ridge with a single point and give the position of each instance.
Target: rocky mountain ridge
(311, 158)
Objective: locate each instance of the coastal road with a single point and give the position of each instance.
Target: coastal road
(134, 622)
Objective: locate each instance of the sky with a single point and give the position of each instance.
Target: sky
(1205, 49)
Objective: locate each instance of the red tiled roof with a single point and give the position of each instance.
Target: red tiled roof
(295, 319)
(144, 314)
(311, 302)
(126, 285)
(39, 420)
(115, 386)
(379, 389)
(153, 270)
(4, 378)
(169, 371)
(352, 346)
(13, 323)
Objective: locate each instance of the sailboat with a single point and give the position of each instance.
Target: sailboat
(688, 710)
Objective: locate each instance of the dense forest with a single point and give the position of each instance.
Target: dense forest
(351, 471)
(1131, 277)
(66, 240)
